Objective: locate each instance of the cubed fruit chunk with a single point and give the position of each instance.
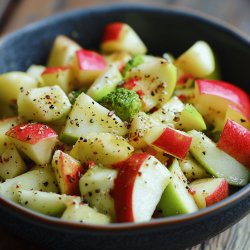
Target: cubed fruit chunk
(88, 116)
(176, 199)
(235, 141)
(153, 81)
(36, 140)
(139, 185)
(47, 104)
(198, 60)
(41, 179)
(45, 202)
(121, 37)
(87, 66)
(62, 52)
(11, 163)
(61, 76)
(217, 162)
(36, 71)
(5, 125)
(213, 97)
(169, 140)
(10, 84)
(105, 83)
(208, 191)
(96, 186)
(84, 214)
(102, 148)
(68, 172)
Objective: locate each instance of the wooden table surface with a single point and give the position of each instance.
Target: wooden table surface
(18, 13)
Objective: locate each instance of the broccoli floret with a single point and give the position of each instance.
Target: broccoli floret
(133, 62)
(125, 103)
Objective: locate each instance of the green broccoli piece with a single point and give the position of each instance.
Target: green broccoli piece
(125, 103)
(133, 62)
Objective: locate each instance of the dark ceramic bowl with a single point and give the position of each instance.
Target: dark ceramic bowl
(162, 29)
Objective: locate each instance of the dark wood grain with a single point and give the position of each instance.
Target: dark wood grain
(232, 11)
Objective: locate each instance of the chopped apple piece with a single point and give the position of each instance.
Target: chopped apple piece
(84, 214)
(198, 60)
(88, 116)
(217, 162)
(47, 104)
(235, 141)
(176, 198)
(35, 140)
(121, 37)
(208, 191)
(10, 84)
(68, 172)
(96, 186)
(87, 66)
(61, 76)
(139, 185)
(102, 148)
(62, 52)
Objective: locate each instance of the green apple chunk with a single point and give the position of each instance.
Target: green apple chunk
(62, 52)
(217, 162)
(105, 83)
(45, 202)
(190, 119)
(5, 125)
(96, 186)
(192, 169)
(41, 179)
(84, 214)
(11, 82)
(36, 71)
(155, 80)
(88, 116)
(176, 199)
(47, 104)
(11, 163)
(198, 60)
(102, 148)
(169, 112)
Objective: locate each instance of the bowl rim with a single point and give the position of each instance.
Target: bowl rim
(41, 219)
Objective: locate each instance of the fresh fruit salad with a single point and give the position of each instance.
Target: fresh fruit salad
(119, 135)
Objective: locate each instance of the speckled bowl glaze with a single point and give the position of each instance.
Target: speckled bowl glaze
(162, 29)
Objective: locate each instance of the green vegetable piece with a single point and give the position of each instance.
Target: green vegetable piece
(125, 103)
(135, 61)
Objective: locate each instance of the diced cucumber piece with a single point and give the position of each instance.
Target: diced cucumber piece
(105, 83)
(84, 214)
(217, 162)
(47, 104)
(88, 116)
(176, 199)
(46, 203)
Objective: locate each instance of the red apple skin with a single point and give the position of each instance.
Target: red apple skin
(225, 90)
(112, 31)
(90, 60)
(52, 70)
(173, 142)
(235, 141)
(71, 173)
(219, 194)
(124, 184)
(31, 133)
